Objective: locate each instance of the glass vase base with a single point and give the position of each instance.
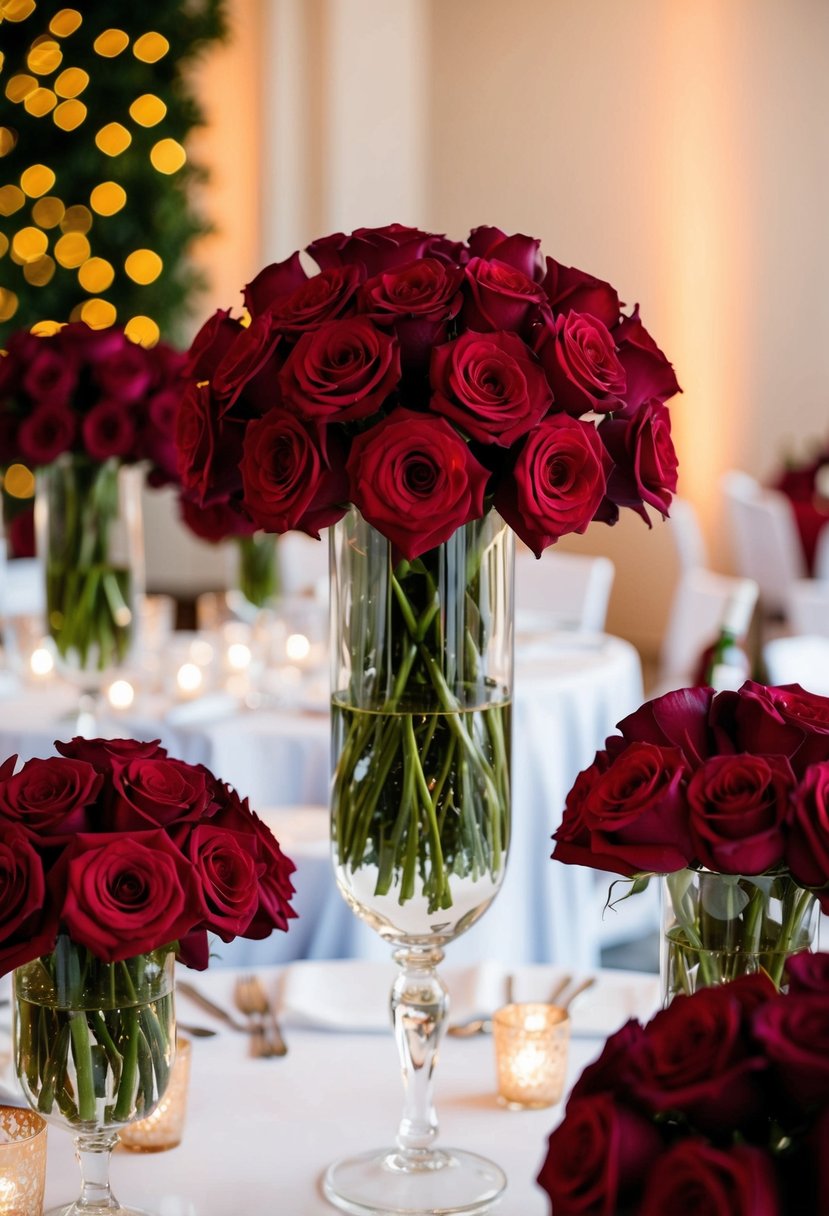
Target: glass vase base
(74, 1209)
(442, 1183)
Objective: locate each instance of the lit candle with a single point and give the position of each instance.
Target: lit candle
(239, 656)
(22, 1162)
(189, 679)
(164, 1127)
(120, 694)
(297, 647)
(531, 1044)
(42, 662)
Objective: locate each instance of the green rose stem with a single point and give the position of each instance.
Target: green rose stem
(258, 568)
(82, 1055)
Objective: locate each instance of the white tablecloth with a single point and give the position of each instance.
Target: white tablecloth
(570, 691)
(260, 1133)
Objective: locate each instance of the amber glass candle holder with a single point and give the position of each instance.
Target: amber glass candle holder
(531, 1045)
(163, 1128)
(22, 1162)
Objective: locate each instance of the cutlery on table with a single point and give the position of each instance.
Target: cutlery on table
(195, 1032)
(577, 991)
(198, 998)
(558, 996)
(558, 989)
(252, 1000)
(480, 1023)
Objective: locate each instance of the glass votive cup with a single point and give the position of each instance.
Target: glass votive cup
(163, 1128)
(22, 1162)
(531, 1046)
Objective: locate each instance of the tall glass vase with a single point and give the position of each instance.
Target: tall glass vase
(94, 1043)
(90, 539)
(420, 815)
(259, 569)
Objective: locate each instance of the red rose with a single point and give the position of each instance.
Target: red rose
(597, 1157)
(209, 449)
(557, 483)
(47, 433)
(784, 721)
(490, 385)
(292, 475)
(738, 804)
(326, 296)
(226, 868)
(52, 797)
(379, 249)
(20, 534)
(211, 344)
(794, 1033)
(9, 443)
(648, 374)
(125, 895)
(498, 296)
(274, 869)
(156, 793)
(252, 352)
(108, 430)
(24, 934)
(521, 252)
(418, 299)
(343, 371)
(808, 973)
(677, 719)
(807, 845)
(50, 377)
(125, 374)
(609, 1074)
(571, 290)
(574, 841)
(102, 753)
(92, 346)
(580, 360)
(644, 460)
(695, 1177)
(274, 281)
(217, 522)
(158, 437)
(415, 480)
(636, 810)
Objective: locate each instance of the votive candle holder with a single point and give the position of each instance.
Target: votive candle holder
(164, 1127)
(22, 1162)
(531, 1047)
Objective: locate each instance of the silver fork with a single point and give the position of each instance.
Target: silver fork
(252, 1000)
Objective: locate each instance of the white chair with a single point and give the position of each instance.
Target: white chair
(766, 543)
(563, 590)
(799, 660)
(808, 607)
(686, 533)
(694, 622)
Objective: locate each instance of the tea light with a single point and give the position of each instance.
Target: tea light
(42, 662)
(189, 679)
(531, 1044)
(297, 647)
(239, 656)
(22, 1162)
(120, 694)
(163, 1128)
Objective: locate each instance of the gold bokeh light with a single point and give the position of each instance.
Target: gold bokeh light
(39, 273)
(148, 110)
(149, 48)
(40, 102)
(18, 10)
(37, 180)
(48, 212)
(8, 139)
(96, 275)
(72, 250)
(69, 115)
(12, 199)
(98, 314)
(71, 82)
(20, 86)
(19, 482)
(76, 219)
(113, 139)
(8, 304)
(107, 198)
(111, 43)
(29, 244)
(46, 329)
(142, 330)
(143, 266)
(167, 156)
(65, 22)
(4, 244)
(45, 57)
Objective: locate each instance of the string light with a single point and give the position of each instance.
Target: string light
(98, 314)
(148, 110)
(149, 48)
(77, 219)
(65, 22)
(18, 10)
(69, 115)
(19, 482)
(29, 244)
(4, 244)
(143, 266)
(48, 212)
(46, 329)
(40, 102)
(167, 156)
(8, 304)
(142, 330)
(111, 43)
(12, 199)
(39, 273)
(45, 57)
(8, 139)
(107, 198)
(36, 180)
(113, 139)
(71, 82)
(96, 275)
(20, 86)
(72, 250)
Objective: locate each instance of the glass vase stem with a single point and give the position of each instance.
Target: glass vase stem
(419, 1005)
(93, 1153)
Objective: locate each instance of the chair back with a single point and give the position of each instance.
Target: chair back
(568, 590)
(808, 607)
(694, 622)
(764, 534)
(686, 533)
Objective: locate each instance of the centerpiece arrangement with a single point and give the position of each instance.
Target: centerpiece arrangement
(114, 860)
(719, 1104)
(85, 408)
(727, 796)
(425, 398)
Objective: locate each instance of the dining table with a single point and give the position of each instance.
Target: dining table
(260, 1133)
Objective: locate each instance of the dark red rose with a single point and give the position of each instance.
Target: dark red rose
(209, 448)
(292, 475)
(274, 281)
(125, 374)
(783, 721)
(644, 460)
(343, 371)
(490, 385)
(737, 807)
(123, 895)
(574, 841)
(51, 797)
(50, 378)
(91, 346)
(194, 949)
(20, 534)
(794, 1033)
(326, 296)
(24, 933)
(47, 433)
(252, 352)
(636, 811)
(807, 845)
(211, 344)
(648, 374)
(9, 446)
(677, 719)
(695, 1059)
(157, 792)
(102, 754)
(817, 1176)
(521, 252)
(571, 290)
(274, 869)
(217, 522)
(693, 1178)
(579, 357)
(808, 973)
(597, 1157)
(108, 430)
(609, 1073)
(498, 296)
(415, 480)
(158, 438)
(379, 249)
(558, 480)
(418, 300)
(225, 864)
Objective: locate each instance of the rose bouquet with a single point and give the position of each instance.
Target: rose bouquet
(423, 382)
(113, 858)
(76, 405)
(727, 795)
(720, 1104)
